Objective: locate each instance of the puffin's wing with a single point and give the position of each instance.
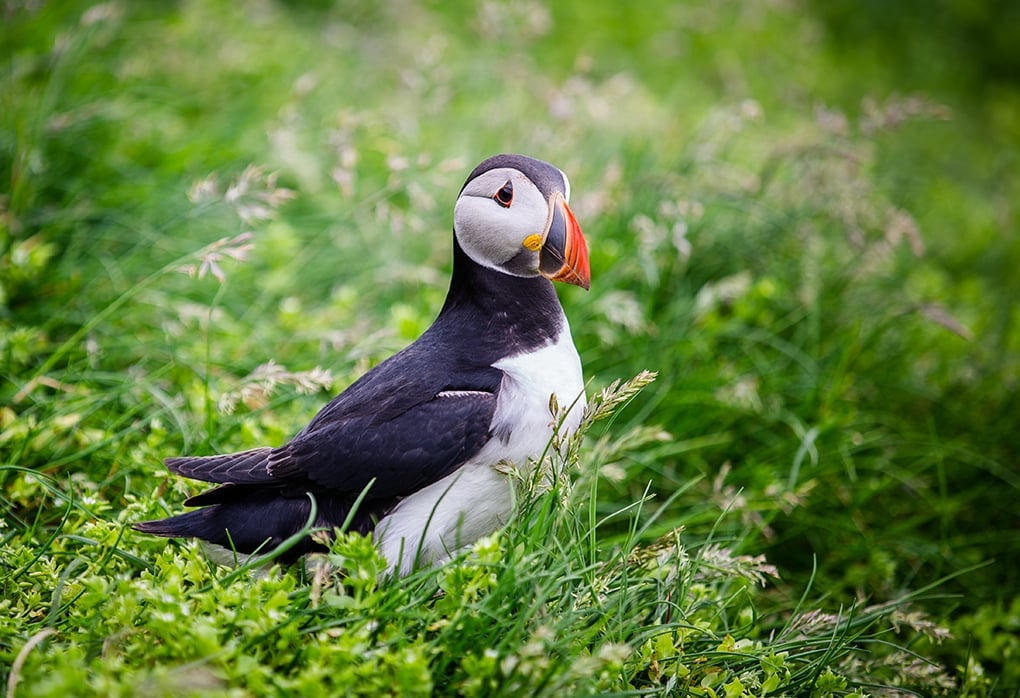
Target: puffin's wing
(405, 424)
(402, 452)
(404, 436)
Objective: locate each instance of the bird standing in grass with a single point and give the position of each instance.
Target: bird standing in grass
(422, 434)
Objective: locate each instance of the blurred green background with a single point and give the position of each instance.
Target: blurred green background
(802, 214)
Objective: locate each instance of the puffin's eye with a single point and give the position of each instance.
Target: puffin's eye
(505, 196)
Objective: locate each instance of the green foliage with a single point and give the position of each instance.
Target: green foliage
(215, 214)
(547, 607)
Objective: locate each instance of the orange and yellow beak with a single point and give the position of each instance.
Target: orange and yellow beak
(564, 253)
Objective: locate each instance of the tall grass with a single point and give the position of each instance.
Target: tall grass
(551, 605)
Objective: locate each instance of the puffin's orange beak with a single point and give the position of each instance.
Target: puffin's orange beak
(564, 254)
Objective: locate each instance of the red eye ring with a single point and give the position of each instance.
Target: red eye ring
(505, 196)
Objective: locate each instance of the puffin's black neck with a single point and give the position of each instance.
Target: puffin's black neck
(515, 312)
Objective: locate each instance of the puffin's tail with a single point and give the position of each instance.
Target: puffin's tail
(247, 518)
(251, 511)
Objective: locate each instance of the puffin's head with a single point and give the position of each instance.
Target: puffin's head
(512, 216)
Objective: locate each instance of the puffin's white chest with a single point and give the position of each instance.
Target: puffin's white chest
(523, 422)
(433, 523)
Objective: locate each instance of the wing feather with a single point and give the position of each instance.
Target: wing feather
(247, 467)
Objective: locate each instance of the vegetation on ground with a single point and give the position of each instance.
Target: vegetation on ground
(798, 474)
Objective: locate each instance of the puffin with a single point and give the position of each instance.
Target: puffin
(415, 452)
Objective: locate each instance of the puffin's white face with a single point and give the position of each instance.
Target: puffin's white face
(503, 222)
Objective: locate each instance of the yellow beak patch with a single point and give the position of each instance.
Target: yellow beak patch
(533, 242)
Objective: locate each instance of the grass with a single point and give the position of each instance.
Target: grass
(213, 218)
